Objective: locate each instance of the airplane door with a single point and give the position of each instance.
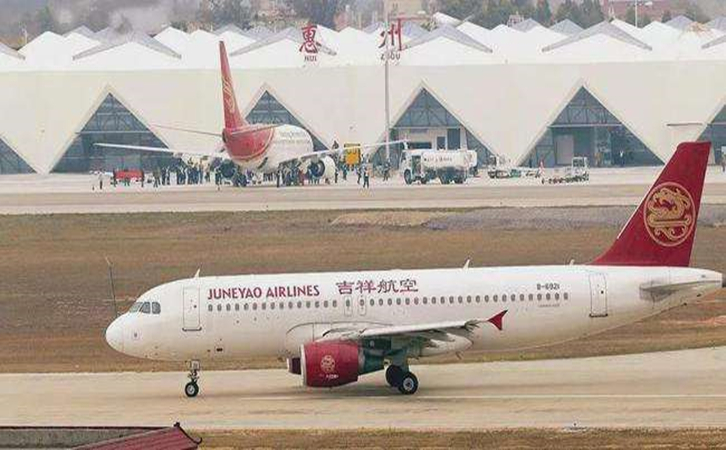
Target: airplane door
(348, 306)
(192, 311)
(362, 306)
(598, 296)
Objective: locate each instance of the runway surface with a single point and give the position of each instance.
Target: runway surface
(58, 198)
(671, 389)
(64, 193)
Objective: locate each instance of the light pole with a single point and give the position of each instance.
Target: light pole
(386, 56)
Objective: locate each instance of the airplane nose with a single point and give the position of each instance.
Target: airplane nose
(115, 336)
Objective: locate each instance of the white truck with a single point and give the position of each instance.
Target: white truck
(424, 165)
(577, 171)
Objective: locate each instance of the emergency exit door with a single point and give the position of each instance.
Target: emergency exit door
(598, 296)
(192, 310)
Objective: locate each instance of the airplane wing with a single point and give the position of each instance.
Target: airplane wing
(429, 331)
(337, 152)
(221, 155)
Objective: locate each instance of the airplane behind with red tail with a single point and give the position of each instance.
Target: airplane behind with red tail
(262, 148)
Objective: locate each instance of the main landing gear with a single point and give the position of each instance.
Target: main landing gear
(405, 381)
(192, 388)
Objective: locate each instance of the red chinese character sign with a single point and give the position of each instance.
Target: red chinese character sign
(392, 40)
(309, 47)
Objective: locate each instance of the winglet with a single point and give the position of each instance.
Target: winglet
(497, 320)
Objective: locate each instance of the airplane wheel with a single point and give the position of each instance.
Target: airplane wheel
(408, 384)
(393, 375)
(191, 389)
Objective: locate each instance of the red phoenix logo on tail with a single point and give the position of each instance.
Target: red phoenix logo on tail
(229, 101)
(669, 214)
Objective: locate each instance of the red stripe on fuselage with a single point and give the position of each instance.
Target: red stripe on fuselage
(246, 147)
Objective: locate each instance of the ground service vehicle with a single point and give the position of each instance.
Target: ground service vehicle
(424, 165)
(576, 172)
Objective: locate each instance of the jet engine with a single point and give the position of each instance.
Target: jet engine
(323, 168)
(228, 169)
(335, 363)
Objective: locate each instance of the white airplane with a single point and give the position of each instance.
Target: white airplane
(334, 327)
(261, 148)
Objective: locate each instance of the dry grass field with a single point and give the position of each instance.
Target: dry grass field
(54, 289)
(520, 439)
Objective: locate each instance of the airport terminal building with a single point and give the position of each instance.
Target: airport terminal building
(526, 94)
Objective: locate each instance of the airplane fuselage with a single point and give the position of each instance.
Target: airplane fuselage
(273, 315)
(275, 146)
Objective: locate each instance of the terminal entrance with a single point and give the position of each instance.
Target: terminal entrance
(113, 123)
(586, 128)
(426, 123)
(10, 162)
(269, 110)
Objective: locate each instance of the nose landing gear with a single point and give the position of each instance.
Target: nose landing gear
(192, 388)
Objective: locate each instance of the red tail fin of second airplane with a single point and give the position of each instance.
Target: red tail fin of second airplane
(661, 231)
(232, 117)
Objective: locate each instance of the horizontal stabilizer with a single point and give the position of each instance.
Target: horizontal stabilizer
(666, 289)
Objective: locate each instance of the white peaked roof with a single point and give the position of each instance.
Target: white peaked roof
(229, 28)
(625, 26)
(719, 23)
(107, 34)
(601, 29)
(658, 33)
(5, 50)
(680, 22)
(77, 42)
(413, 30)
(715, 42)
(476, 32)
(451, 33)
(134, 37)
(83, 31)
(173, 38)
(526, 25)
(290, 34)
(440, 18)
(566, 27)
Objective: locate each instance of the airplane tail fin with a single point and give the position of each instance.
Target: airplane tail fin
(232, 117)
(661, 231)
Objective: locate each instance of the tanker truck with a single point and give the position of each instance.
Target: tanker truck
(424, 165)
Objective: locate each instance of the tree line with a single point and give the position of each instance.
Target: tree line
(245, 13)
(585, 13)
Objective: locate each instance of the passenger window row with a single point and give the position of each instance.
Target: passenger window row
(442, 300)
(466, 299)
(272, 305)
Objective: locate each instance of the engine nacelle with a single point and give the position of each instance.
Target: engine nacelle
(323, 168)
(228, 169)
(335, 363)
(293, 366)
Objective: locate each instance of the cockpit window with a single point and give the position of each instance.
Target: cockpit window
(145, 308)
(135, 307)
(155, 308)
